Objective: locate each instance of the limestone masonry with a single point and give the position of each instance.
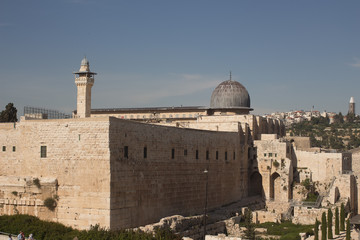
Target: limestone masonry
(122, 168)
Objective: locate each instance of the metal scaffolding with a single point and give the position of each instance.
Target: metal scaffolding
(45, 113)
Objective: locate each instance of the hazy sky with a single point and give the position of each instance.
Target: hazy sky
(288, 54)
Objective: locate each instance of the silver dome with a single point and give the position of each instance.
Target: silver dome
(230, 94)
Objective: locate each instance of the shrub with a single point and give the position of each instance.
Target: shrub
(36, 182)
(276, 164)
(15, 193)
(56, 231)
(50, 203)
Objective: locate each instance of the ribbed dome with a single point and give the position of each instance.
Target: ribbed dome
(230, 94)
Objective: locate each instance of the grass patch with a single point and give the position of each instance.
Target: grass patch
(311, 197)
(287, 230)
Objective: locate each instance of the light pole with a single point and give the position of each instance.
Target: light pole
(206, 197)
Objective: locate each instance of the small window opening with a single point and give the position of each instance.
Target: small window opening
(264, 154)
(234, 156)
(207, 155)
(14, 148)
(172, 153)
(145, 152)
(43, 151)
(126, 152)
(197, 154)
(4, 148)
(185, 152)
(217, 155)
(225, 156)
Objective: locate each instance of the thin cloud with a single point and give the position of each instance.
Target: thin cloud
(357, 63)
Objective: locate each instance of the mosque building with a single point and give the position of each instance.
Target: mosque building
(127, 167)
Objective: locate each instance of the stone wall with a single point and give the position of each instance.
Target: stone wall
(97, 181)
(275, 167)
(169, 179)
(323, 166)
(75, 155)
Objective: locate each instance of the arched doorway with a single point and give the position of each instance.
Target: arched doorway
(255, 186)
(275, 186)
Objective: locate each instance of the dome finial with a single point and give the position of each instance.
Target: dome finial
(230, 75)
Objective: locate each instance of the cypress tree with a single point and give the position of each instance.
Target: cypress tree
(249, 225)
(342, 218)
(316, 230)
(329, 224)
(347, 229)
(337, 231)
(323, 226)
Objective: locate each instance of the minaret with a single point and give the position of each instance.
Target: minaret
(352, 106)
(84, 80)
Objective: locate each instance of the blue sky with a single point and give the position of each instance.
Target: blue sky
(288, 54)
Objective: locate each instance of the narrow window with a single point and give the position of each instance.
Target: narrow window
(172, 153)
(270, 154)
(43, 151)
(217, 155)
(264, 154)
(207, 155)
(225, 156)
(126, 152)
(275, 154)
(4, 148)
(185, 152)
(14, 148)
(145, 152)
(197, 154)
(234, 156)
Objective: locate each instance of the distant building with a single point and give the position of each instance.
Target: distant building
(352, 106)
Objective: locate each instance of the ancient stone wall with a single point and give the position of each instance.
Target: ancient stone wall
(158, 171)
(275, 167)
(323, 166)
(74, 153)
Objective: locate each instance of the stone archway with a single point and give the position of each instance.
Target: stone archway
(255, 186)
(275, 186)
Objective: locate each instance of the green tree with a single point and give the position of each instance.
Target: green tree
(323, 226)
(329, 225)
(9, 114)
(342, 218)
(348, 230)
(350, 117)
(249, 225)
(337, 232)
(316, 230)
